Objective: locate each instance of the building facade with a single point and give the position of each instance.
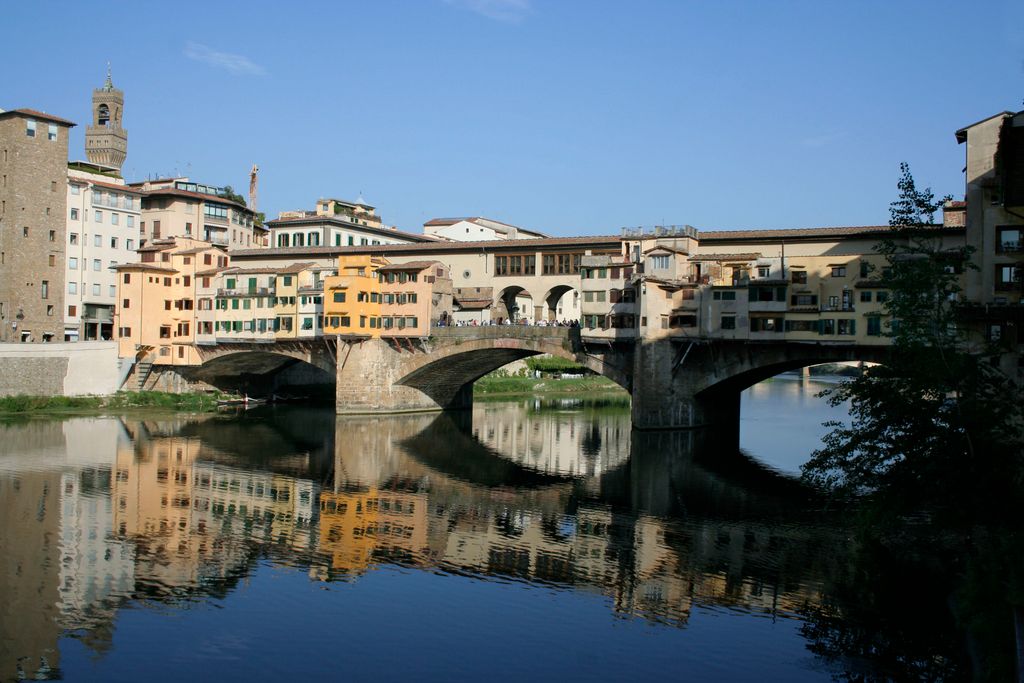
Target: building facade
(178, 207)
(103, 219)
(33, 225)
(476, 229)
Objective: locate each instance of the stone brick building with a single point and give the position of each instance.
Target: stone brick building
(33, 225)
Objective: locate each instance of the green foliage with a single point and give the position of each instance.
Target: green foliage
(936, 423)
(554, 364)
(504, 384)
(29, 404)
(228, 192)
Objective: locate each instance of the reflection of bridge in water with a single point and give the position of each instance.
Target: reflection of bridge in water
(184, 507)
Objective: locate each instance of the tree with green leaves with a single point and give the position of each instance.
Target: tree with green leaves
(937, 427)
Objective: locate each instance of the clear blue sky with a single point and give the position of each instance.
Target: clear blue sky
(562, 116)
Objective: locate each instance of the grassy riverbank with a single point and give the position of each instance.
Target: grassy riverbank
(496, 385)
(122, 400)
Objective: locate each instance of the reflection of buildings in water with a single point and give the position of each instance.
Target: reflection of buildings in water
(556, 442)
(360, 527)
(193, 520)
(62, 570)
(97, 570)
(157, 519)
(30, 581)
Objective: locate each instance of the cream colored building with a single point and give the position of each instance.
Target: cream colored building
(178, 207)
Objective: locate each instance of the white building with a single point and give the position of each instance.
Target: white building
(103, 230)
(332, 231)
(476, 229)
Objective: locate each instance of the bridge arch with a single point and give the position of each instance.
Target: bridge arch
(555, 296)
(447, 373)
(514, 302)
(263, 368)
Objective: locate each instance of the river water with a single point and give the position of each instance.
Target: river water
(533, 539)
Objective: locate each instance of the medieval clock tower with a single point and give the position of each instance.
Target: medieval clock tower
(106, 142)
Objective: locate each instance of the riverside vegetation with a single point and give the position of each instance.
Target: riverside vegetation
(22, 405)
(544, 375)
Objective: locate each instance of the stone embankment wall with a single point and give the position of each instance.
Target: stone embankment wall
(59, 369)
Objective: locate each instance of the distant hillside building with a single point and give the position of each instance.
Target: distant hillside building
(476, 229)
(33, 210)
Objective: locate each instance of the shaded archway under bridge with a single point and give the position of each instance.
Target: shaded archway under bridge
(260, 369)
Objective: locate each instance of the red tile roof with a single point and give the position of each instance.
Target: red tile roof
(33, 114)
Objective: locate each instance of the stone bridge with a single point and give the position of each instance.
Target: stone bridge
(674, 382)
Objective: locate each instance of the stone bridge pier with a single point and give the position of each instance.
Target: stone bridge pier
(688, 384)
(405, 375)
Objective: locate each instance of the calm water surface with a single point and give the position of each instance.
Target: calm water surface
(530, 540)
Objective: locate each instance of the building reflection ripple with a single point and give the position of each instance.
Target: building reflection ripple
(99, 512)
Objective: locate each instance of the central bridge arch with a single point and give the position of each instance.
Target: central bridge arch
(438, 372)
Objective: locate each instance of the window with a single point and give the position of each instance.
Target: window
(74, 214)
(865, 297)
(72, 311)
(96, 289)
(882, 297)
(827, 326)
(658, 262)
(113, 291)
(728, 322)
(129, 245)
(1009, 239)
(24, 231)
(131, 221)
(1008, 276)
(73, 238)
(72, 288)
(339, 297)
(724, 295)
(53, 259)
(30, 128)
(113, 243)
(803, 300)
(763, 271)
(51, 132)
(97, 240)
(865, 268)
(72, 263)
(799, 277)
(874, 326)
(96, 264)
(838, 271)
(801, 326)
(44, 289)
(847, 327)
(287, 281)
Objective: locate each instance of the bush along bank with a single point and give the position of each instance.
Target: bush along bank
(122, 400)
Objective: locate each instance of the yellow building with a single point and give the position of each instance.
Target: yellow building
(156, 318)
(352, 298)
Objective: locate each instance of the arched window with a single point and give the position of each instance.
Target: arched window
(103, 115)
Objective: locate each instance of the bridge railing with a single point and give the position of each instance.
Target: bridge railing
(505, 332)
